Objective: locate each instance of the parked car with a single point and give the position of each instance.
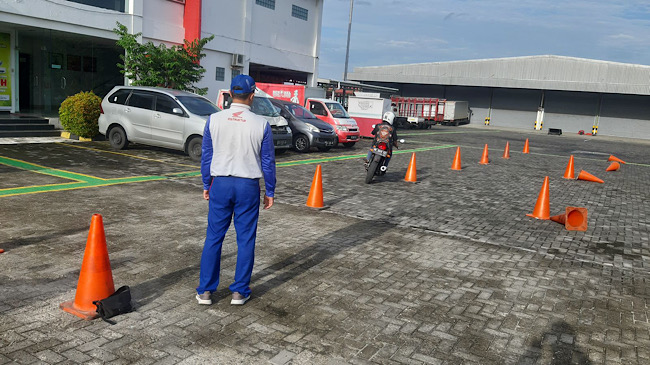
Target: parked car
(282, 137)
(308, 131)
(155, 116)
(332, 112)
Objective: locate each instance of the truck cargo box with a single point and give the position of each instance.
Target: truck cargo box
(367, 111)
(456, 112)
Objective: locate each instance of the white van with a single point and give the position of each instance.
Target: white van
(155, 116)
(282, 137)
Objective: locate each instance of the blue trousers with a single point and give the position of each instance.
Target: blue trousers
(230, 197)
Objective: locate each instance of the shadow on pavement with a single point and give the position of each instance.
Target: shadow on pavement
(324, 248)
(561, 338)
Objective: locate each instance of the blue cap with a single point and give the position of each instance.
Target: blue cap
(242, 84)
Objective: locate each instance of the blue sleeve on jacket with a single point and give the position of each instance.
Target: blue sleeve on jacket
(206, 156)
(268, 161)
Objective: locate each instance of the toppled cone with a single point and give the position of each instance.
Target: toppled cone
(574, 219)
(569, 172)
(584, 175)
(315, 198)
(612, 158)
(542, 207)
(95, 277)
(614, 166)
(411, 172)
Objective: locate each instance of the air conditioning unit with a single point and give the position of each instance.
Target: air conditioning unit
(237, 60)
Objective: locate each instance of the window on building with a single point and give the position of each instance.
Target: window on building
(298, 12)
(235, 72)
(220, 74)
(117, 5)
(266, 3)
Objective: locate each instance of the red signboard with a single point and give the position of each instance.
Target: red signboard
(292, 93)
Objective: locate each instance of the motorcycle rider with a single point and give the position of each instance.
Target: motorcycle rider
(387, 133)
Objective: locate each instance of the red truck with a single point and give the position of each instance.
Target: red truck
(418, 112)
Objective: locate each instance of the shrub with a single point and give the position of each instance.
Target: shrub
(79, 114)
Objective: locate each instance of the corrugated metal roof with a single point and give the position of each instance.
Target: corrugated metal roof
(546, 72)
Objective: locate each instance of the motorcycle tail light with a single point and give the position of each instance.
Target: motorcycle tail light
(382, 146)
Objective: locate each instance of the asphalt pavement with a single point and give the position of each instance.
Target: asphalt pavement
(448, 270)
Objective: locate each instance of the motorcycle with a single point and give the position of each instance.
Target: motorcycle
(376, 165)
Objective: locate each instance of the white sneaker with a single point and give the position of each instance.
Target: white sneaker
(238, 299)
(204, 298)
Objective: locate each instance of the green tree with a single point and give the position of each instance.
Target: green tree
(176, 67)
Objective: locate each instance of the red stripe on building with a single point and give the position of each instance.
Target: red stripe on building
(192, 19)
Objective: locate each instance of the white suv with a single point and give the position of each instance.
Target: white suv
(155, 116)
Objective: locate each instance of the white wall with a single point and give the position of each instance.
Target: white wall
(265, 36)
(163, 21)
(68, 16)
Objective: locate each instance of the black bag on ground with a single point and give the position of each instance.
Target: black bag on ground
(117, 303)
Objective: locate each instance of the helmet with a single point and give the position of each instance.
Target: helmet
(389, 117)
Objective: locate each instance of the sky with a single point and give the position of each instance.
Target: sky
(389, 32)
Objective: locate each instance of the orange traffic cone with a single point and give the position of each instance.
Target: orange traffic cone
(612, 158)
(542, 207)
(2, 251)
(569, 172)
(584, 175)
(95, 277)
(614, 166)
(456, 165)
(484, 159)
(506, 152)
(526, 147)
(411, 172)
(574, 219)
(315, 198)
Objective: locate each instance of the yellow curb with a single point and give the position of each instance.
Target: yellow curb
(84, 139)
(65, 134)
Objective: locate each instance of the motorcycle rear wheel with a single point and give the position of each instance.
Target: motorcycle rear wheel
(372, 169)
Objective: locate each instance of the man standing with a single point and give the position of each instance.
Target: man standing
(237, 151)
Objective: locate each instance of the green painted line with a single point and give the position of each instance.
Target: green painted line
(349, 157)
(432, 133)
(90, 182)
(47, 171)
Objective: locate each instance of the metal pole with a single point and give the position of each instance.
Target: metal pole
(347, 48)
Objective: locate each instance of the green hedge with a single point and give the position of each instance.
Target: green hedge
(79, 114)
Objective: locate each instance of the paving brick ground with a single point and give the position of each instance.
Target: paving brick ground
(455, 273)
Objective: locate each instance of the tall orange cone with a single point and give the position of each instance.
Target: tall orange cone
(411, 172)
(574, 219)
(315, 198)
(612, 158)
(569, 172)
(584, 175)
(484, 159)
(614, 166)
(542, 207)
(456, 165)
(526, 147)
(506, 152)
(95, 277)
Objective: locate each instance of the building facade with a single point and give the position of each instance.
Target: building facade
(536, 92)
(51, 49)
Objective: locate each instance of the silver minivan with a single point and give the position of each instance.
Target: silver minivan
(155, 116)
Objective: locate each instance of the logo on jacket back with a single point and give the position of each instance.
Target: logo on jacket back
(236, 117)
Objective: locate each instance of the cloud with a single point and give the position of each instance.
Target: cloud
(394, 31)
